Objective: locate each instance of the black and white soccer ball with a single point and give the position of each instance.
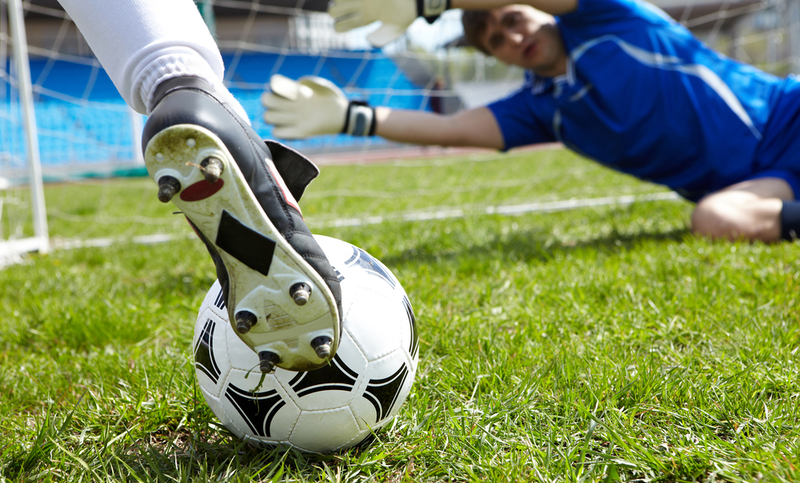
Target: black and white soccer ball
(327, 409)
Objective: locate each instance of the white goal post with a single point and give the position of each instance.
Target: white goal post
(17, 239)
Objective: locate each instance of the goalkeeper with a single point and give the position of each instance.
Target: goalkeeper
(613, 80)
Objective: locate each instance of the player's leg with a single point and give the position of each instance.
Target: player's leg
(141, 43)
(750, 210)
(282, 292)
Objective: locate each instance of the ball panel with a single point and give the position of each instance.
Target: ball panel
(337, 252)
(412, 342)
(386, 386)
(212, 401)
(215, 300)
(241, 356)
(324, 431)
(365, 264)
(210, 351)
(259, 408)
(377, 313)
(328, 387)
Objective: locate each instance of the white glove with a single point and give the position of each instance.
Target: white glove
(312, 106)
(395, 15)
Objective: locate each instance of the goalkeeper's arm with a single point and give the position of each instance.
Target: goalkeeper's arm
(312, 106)
(473, 127)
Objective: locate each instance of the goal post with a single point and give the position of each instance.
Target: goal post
(16, 239)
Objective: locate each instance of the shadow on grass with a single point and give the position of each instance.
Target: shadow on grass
(221, 457)
(167, 454)
(534, 245)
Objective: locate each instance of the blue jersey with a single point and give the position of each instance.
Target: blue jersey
(645, 97)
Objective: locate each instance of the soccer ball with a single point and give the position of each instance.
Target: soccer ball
(327, 409)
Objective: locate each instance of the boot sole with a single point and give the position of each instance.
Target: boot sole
(261, 265)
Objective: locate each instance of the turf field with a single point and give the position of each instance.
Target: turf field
(596, 344)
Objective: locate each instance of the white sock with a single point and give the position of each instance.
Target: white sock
(142, 43)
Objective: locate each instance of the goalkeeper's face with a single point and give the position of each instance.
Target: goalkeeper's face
(523, 36)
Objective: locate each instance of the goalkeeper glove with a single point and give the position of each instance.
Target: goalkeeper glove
(395, 15)
(312, 106)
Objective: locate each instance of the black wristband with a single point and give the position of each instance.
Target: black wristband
(360, 119)
(790, 220)
(431, 9)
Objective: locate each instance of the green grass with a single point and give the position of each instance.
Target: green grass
(602, 344)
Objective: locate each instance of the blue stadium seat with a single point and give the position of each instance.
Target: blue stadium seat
(82, 118)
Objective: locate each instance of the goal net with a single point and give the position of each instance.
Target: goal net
(88, 139)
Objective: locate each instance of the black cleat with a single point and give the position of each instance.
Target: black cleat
(167, 188)
(245, 320)
(268, 360)
(322, 346)
(212, 168)
(230, 186)
(300, 293)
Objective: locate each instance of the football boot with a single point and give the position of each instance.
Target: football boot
(282, 294)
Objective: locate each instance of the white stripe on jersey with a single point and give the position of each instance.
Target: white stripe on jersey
(659, 61)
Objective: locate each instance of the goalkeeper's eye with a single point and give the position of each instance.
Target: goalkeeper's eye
(496, 40)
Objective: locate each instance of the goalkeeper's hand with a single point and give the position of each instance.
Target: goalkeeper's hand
(312, 106)
(395, 15)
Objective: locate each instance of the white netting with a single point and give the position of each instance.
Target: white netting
(86, 131)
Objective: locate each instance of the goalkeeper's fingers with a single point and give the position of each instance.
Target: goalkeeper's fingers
(287, 88)
(288, 132)
(271, 101)
(280, 118)
(321, 87)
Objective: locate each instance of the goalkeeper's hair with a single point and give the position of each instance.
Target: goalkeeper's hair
(474, 23)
